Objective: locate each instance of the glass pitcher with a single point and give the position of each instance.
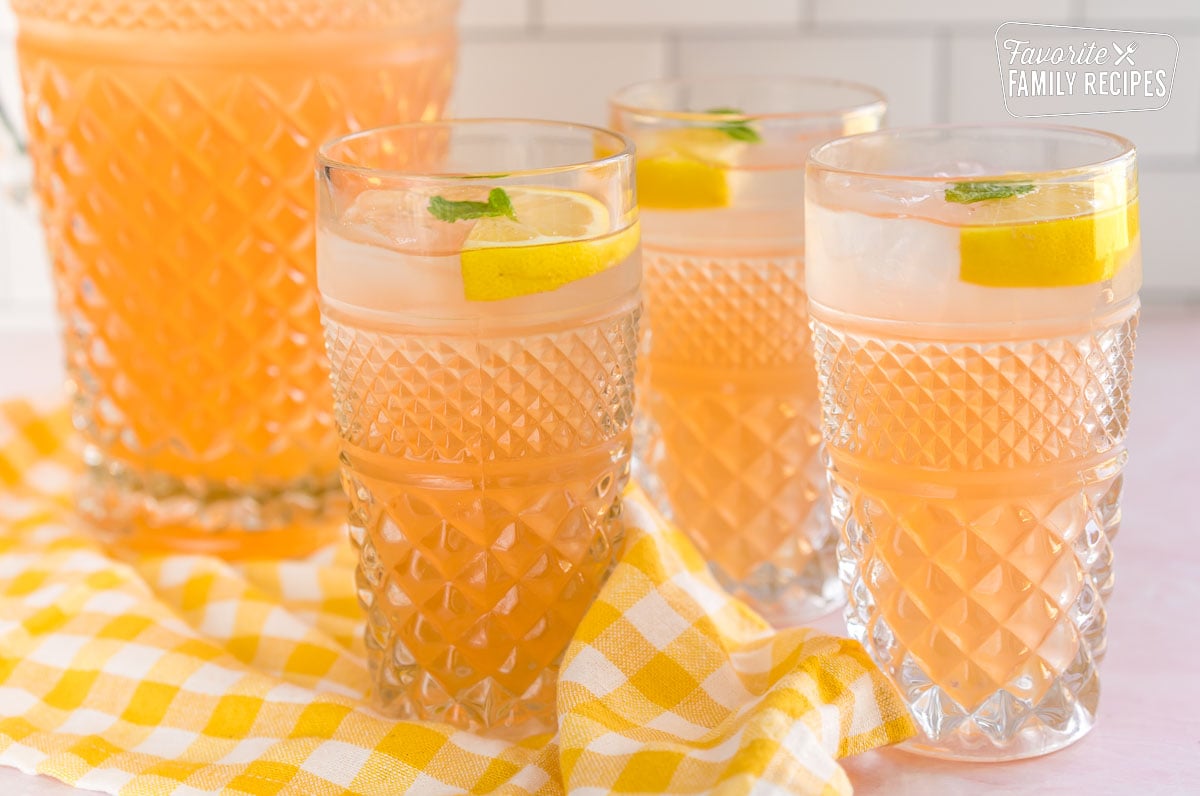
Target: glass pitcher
(173, 145)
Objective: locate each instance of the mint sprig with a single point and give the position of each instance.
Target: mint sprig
(497, 204)
(965, 193)
(737, 129)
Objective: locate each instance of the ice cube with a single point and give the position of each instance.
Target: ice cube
(400, 219)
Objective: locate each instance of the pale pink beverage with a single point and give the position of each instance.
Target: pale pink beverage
(974, 304)
(483, 389)
(729, 442)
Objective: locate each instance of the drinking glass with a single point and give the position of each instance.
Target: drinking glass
(728, 439)
(173, 144)
(974, 306)
(479, 288)
(20, 243)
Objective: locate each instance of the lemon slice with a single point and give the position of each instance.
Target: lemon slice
(1020, 248)
(558, 237)
(685, 169)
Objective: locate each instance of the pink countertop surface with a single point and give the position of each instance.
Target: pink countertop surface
(1147, 739)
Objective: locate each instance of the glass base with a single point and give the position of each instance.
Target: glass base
(786, 597)
(795, 584)
(486, 709)
(777, 554)
(1031, 741)
(135, 512)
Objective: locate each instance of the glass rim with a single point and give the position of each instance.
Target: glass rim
(328, 161)
(876, 100)
(1123, 158)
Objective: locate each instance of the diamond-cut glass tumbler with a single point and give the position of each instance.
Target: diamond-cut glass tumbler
(173, 144)
(728, 438)
(974, 307)
(480, 292)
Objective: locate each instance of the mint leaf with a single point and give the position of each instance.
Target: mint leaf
(498, 204)
(738, 129)
(741, 132)
(501, 204)
(965, 193)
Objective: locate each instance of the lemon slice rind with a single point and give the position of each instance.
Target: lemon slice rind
(539, 262)
(1062, 252)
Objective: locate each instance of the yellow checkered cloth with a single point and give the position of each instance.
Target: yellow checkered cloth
(184, 674)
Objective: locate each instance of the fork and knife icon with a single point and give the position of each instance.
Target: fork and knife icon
(1124, 54)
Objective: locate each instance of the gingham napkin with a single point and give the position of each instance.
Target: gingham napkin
(184, 674)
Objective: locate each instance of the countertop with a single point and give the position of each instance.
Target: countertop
(1147, 738)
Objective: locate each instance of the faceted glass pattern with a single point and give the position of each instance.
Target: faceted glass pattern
(977, 489)
(485, 475)
(729, 438)
(176, 190)
(249, 16)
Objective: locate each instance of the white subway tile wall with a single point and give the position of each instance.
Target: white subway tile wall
(1168, 212)
(495, 14)
(551, 79)
(900, 66)
(669, 14)
(939, 12)
(1133, 13)
(934, 59)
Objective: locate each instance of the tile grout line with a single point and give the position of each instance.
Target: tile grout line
(672, 55)
(941, 76)
(571, 35)
(808, 15)
(1168, 164)
(1077, 12)
(535, 17)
